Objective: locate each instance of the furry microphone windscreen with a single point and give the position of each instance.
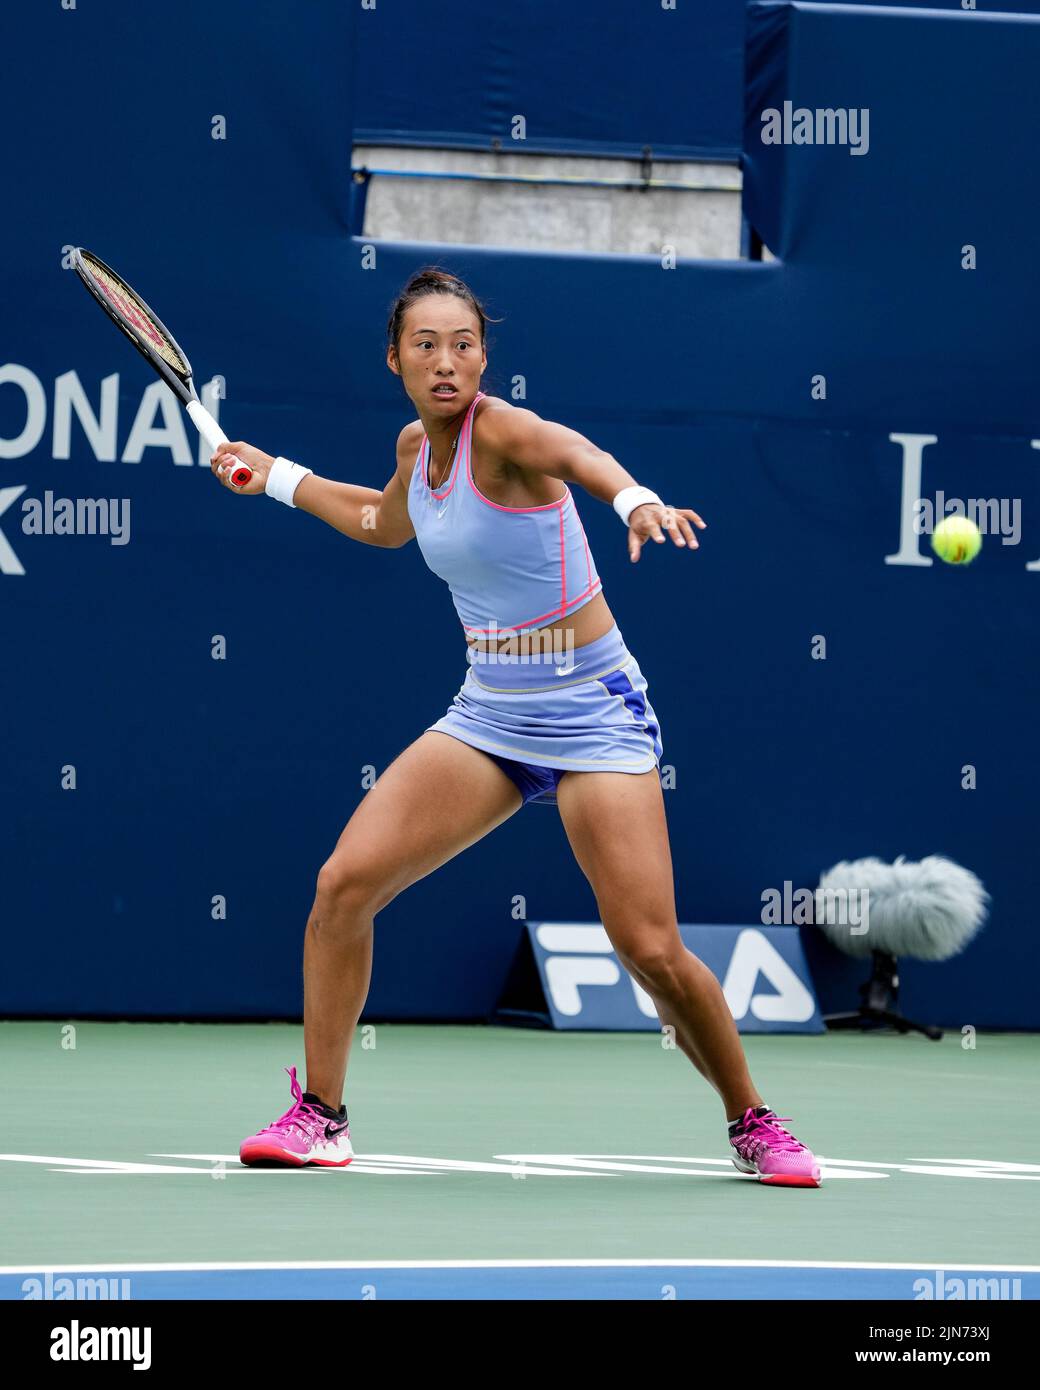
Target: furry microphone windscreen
(928, 910)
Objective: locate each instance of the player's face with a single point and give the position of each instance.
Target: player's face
(440, 356)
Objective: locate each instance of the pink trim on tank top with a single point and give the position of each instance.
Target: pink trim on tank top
(590, 592)
(440, 496)
(563, 564)
(542, 506)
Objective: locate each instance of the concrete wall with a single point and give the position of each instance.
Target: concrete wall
(701, 221)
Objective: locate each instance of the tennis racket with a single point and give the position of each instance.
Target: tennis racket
(156, 344)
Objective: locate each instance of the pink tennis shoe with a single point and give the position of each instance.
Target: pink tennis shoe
(308, 1132)
(762, 1147)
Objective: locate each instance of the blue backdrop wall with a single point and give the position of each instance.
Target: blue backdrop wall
(592, 76)
(191, 783)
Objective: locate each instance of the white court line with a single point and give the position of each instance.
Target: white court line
(403, 1163)
(382, 1164)
(511, 1165)
(534, 1165)
(983, 1163)
(179, 1267)
(238, 1168)
(102, 1165)
(608, 1166)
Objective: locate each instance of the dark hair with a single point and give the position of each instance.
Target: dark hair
(431, 279)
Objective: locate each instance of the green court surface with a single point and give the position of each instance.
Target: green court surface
(500, 1145)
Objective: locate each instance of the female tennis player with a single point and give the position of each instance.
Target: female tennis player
(553, 709)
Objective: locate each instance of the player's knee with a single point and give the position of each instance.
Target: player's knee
(653, 963)
(348, 885)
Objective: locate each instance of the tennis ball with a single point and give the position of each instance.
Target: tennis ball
(956, 540)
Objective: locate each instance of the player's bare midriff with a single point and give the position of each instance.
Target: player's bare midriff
(566, 634)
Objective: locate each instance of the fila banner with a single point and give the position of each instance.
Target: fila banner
(763, 972)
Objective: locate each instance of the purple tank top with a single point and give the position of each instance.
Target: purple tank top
(515, 568)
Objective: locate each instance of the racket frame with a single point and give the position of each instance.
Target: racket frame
(181, 384)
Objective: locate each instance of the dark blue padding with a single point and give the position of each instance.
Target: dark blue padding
(696, 379)
(587, 77)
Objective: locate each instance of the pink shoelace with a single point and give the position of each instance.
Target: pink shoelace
(767, 1129)
(300, 1114)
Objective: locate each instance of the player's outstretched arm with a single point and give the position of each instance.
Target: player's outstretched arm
(526, 440)
(362, 513)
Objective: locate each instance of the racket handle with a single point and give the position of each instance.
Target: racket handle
(215, 437)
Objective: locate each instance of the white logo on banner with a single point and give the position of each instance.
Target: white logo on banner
(579, 953)
(582, 956)
(755, 955)
(909, 552)
(9, 561)
(99, 429)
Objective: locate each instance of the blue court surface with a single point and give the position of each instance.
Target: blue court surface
(526, 1279)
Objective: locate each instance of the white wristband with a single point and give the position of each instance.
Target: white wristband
(629, 498)
(283, 480)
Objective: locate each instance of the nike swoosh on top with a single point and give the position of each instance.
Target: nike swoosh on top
(566, 670)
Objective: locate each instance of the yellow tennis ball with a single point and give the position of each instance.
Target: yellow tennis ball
(956, 540)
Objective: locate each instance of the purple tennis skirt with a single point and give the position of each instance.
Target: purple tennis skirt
(583, 710)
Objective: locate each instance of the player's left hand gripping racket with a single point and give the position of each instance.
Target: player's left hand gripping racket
(156, 344)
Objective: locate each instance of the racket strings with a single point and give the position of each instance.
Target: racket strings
(130, 308)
